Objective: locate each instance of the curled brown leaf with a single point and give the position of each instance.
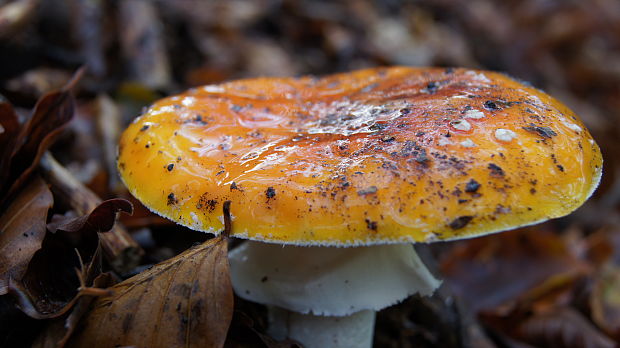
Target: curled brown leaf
(101, 219)
(49, 287)
(59, 330)
(186, 301)
(52, 112)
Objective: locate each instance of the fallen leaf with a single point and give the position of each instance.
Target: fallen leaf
(563, 327)
(104, 280)
(52, 112)
(22, 229)
(49, 287)
(59, 330)
(605, 300)
(186, 301)
(142, 217)
(101, 219)
(521, 284)
(490, 271)
(120, 250)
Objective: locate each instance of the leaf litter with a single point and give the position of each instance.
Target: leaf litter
(186, 301)
(50, 285)
(568, 48)
(51, 113)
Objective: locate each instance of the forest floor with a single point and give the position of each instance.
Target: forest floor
(556, 284)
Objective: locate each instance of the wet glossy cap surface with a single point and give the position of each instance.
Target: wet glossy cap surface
(375, 156)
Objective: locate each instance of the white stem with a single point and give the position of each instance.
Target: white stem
(327, 297)
(315, 331)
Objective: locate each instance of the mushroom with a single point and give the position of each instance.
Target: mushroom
(332, 178)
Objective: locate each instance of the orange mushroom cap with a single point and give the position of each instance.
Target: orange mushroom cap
(384, 155)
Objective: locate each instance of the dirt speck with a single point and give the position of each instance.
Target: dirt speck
(460, 222)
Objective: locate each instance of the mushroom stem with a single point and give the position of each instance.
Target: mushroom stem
(355, 330)
(327, 294)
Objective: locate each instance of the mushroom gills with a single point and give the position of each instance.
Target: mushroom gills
(327, 286)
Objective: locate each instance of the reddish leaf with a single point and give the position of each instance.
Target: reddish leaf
(183, 302)
(101, 219)
(22, 229)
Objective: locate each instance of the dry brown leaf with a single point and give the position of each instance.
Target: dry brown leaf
(101, 219)
(22, 229)
(52, 112)
(59, 330)
(49, 287)
(492, 271)
(186, 301)
(605, 300)
(562, 327)
(121, 251)
(25, 148)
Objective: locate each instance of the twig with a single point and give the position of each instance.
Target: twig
(119, 248)
(227, 219)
